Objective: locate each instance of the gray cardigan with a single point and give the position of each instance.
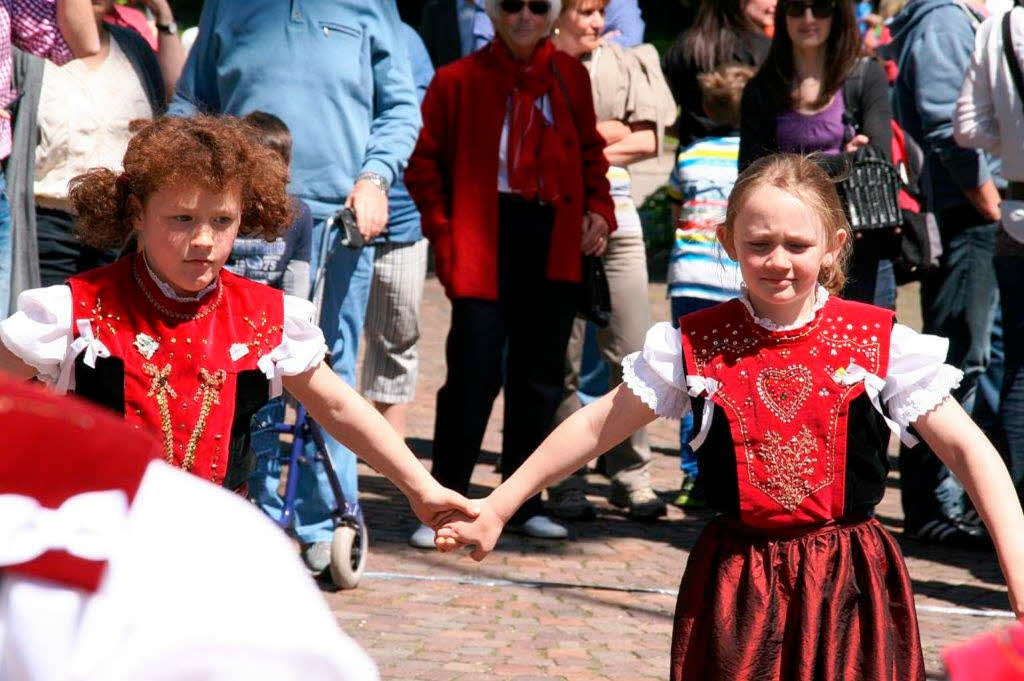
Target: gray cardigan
(20, 167)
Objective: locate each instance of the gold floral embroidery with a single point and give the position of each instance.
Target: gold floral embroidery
(209, 386)
(788, 466)
(160, 387)
(262, 334)
(100, 318)
(784, 391)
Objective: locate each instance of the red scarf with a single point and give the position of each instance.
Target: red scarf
(534, 152)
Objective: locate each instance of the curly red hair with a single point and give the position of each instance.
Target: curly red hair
(214, 153)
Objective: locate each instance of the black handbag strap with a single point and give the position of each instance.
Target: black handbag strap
(1011, 58)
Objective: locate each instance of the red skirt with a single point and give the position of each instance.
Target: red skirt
(831, 604)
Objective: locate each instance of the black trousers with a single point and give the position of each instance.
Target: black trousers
(61, 255)
(525, 332)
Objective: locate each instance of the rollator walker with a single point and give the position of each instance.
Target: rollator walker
(350, 538)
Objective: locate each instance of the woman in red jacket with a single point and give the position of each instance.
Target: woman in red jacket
(509, 178)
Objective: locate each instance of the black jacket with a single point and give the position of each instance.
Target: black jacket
(865, 93)
(681, 75)
(439, 28)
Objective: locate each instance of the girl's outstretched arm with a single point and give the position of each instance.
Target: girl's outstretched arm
(586, 434)
(963, 447)
(355, 423)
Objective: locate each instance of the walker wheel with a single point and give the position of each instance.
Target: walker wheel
(348, 555)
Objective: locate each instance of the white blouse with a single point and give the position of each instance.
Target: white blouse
(39, 334)
(917, 379)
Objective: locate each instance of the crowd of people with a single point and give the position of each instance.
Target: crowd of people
(173, 247)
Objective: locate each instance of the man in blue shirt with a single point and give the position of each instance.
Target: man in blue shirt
(336, 72)
(444, 20)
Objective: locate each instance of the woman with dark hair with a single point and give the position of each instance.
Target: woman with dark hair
(817, 93)
(724, 31)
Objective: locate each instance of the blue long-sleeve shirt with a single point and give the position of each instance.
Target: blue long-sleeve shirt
(403, 218)
(335, 71)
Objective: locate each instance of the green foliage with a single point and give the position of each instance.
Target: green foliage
(659, 234)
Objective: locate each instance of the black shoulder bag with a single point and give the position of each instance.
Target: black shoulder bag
(595, 299)
(870, 194)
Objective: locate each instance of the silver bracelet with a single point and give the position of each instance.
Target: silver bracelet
(376, 179)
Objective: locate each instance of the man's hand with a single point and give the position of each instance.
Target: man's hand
(985, 200)
(595, 234)
(371, 208)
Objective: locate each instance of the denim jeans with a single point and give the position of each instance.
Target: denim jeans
(6, 252)
(348, 274)
(870, 280)
(682, 305)
(1009, 263)
(958, 302)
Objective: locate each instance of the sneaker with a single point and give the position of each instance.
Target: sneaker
(690, 495)
(422, 538)
(570, 504)
(953, 533)
(542, 527)
(316, 556)
(641, 503)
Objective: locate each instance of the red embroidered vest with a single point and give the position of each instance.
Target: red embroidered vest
(188, 368)
(787, 411)
(59, 449)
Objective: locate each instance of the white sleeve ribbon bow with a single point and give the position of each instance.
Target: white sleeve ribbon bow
(87, 343)
(268, 365)
(873, 386)
(86, 525)
(697, 386)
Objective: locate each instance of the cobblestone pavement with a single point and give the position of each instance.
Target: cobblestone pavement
(598, 607)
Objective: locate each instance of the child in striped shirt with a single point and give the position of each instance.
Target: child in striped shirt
(700, 273)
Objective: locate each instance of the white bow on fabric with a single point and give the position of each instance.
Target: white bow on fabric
(87, 343)
(697, 386)
(873, 386)
(268, 365)
(86, 525)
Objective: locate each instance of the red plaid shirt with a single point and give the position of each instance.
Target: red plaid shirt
(31, 26)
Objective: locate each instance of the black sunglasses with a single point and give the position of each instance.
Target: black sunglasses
(537, 7)
(820, 9)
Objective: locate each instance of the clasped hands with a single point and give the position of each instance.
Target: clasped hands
(481, 533)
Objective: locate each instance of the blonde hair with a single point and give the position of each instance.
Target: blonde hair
(721, 92)
(804, 178)
(494, 11)
(574, 4)
(887, 9)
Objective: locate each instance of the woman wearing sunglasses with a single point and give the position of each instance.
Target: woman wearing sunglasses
(724, 31)
(816, 92)
(509, 177)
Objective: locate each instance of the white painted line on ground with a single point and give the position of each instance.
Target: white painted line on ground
(526, 584)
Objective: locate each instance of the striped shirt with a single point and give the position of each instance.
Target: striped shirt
(701, 181)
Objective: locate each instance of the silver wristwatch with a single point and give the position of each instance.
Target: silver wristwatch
(375, 179)
(170, 28)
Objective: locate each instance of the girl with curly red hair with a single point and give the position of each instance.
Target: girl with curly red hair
(179, 346)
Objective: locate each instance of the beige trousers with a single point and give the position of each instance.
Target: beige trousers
(625, 263)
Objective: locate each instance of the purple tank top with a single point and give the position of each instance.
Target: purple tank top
(806, 133)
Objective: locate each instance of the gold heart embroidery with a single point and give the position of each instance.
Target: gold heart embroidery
(784, 391)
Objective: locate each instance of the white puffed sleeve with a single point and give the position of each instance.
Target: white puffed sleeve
(657, 375)
(302, 345)
(918, 379)
(40, 331)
